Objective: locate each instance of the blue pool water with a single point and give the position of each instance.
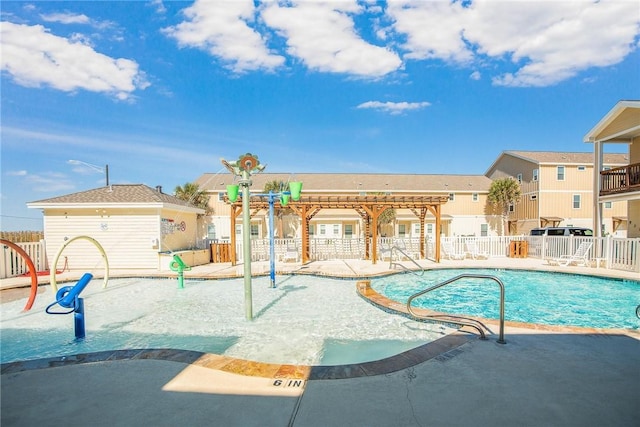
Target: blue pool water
(530, 296)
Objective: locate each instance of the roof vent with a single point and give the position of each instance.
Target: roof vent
(159, 188)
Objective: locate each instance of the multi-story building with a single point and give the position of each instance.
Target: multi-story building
(619, 184)
(466, 212)
(557, 190)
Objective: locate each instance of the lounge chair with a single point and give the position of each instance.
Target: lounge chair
(474, 250)
(291, 254)
(384, 252)
(450, 253)
(580, 257)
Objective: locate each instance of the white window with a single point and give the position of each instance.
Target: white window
(519, 178)
(484, 230)
(402, 230)
(512, 208)
(348, 231)
(312, 229)
(560, 173)
(582, 168)
(323, 229)
(535, 175)
(254, 231)
(211, 232)
(576, 201)
(336, 229)
(429, 228)
(474, 197)
(452, 197)
(416, 229)
(607, 205)
(221, 197)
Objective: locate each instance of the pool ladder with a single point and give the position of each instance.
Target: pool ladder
(391, 263)
(459, 320)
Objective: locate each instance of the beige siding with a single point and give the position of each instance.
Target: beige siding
(179, 230)
(129, 237)
(463, 204)
(634, 214)
(512, 166)
(126, 240)
(574, 179)
(634, 151)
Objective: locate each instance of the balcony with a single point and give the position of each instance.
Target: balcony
(620, 180)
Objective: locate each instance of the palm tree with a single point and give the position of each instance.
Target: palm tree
(278, 212)
(387, 217)
(503, 193)
(192, 193)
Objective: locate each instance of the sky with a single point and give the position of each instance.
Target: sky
(160, 91)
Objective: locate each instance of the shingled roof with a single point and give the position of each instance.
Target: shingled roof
(553, 157)
(117, 194)
(357, 183)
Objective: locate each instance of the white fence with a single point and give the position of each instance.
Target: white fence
(609, 252)
(12, 264)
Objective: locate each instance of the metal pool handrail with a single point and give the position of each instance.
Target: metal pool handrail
(465, 322)
(408, 257)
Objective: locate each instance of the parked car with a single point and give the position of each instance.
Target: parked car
(562, 231)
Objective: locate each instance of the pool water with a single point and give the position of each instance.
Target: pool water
(305, 320)
(530, 296)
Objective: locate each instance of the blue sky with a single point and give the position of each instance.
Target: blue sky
(160, 91)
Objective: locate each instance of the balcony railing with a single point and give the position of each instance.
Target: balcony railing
(620, 180)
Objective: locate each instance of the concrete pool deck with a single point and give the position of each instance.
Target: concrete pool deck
(541, 377)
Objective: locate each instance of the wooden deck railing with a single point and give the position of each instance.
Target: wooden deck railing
(620, 180)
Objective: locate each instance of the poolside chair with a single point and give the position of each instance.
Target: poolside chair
(291, 253)
(580, 257)
(474, 250)
(450, 253)
(384, 252)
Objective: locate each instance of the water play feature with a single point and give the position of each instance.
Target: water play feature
(54, 283)
(32, 271)
(69, 297)
(179, 267)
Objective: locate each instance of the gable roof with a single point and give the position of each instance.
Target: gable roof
(564, 157)
(561, 158)
(119, 195)
(357, 183)
(620, 124)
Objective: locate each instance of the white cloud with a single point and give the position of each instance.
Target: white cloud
(222, 28)
(17, 173)
(544, 42)
(159, 6)
(35, 57)
(394, 108)
(323, 36)
(563, 39)
(433, 30)
(49, 182)
(65, 18)
(475, 75)
(531, 42)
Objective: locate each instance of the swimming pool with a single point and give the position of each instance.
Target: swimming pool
(530, 296)
(306, 320)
